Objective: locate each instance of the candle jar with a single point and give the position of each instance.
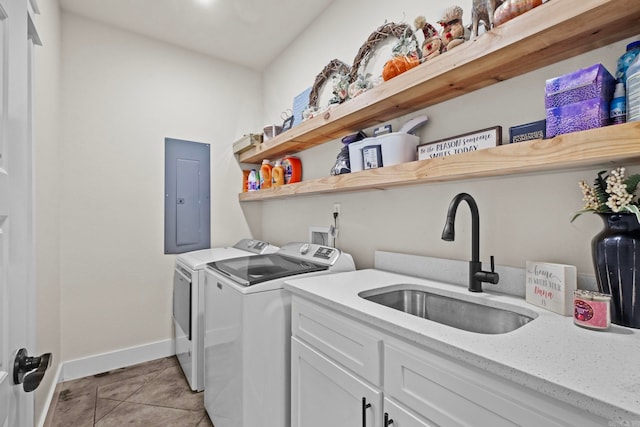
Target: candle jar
(591, 309)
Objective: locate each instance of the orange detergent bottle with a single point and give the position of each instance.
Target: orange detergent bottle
(265, 174)
(278, 174)
(245, 180)
(292, 170)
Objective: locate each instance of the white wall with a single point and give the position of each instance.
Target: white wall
(47, 193)
(521, 217)
(122, 94)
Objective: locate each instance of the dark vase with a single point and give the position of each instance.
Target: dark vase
(616, 258)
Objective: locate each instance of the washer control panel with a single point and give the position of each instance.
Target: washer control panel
(312, 252)
(324, 252)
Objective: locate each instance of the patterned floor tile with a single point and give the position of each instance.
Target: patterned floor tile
(121, 390)
(169, 389)
(134, 415)
(206, 422)
(75, 407)
(148, 394)
(104, 406)
(155, 366)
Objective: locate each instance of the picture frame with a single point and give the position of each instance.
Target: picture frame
(466, 142)
(287, 123)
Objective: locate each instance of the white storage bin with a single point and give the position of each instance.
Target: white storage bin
(396, 148)
(355, 153)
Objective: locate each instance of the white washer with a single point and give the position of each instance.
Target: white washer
(188, 302)
(248, 332)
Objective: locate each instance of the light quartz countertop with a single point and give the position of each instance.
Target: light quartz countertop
(597, 371)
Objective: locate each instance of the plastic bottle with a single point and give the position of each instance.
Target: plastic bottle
(245, 180)
(278, 174)
(265, 174)
(252, 180)
(633, 91)
(618, 110)
(292, 170)
(633, 50)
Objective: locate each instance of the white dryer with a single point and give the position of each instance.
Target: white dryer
(248, 332)
(188, 302)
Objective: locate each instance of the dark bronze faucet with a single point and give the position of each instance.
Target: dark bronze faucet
(476, 275)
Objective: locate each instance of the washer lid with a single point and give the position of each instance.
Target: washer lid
(197, 260)
(250, 270)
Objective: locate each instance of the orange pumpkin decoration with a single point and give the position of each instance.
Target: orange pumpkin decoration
(512, 8)
(398, 65)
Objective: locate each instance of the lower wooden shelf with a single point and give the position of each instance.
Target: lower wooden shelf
(611, 145)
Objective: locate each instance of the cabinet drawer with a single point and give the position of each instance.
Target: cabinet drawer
(347, 342)
(400, 417)
(454, 394)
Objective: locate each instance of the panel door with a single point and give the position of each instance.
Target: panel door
(17, 300)
(324, 394)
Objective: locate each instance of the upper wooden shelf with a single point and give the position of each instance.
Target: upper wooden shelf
(556, 30)
(603, 146)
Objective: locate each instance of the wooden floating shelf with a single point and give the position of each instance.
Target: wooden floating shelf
(597, 147)
(552, 32)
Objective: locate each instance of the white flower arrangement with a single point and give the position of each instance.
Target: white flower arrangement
(611, 194)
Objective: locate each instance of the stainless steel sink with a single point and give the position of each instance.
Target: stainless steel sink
(458, 313)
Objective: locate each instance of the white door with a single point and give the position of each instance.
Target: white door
(16, 232)
(324, 394)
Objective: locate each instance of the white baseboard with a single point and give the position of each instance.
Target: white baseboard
(50, 395)
(99, 363)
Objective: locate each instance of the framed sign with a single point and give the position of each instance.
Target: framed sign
(300, 103)
(472, 141)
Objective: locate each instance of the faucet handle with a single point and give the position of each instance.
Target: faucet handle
(492, 277)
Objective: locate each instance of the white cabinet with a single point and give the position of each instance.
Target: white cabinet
(337, 361)
(324, 394)
(448, 392)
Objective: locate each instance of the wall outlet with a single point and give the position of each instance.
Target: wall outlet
(336, 208)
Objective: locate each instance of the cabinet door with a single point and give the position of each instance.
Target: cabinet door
(324, 394)
(397, 416)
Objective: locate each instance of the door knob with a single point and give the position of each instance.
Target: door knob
(28, 370)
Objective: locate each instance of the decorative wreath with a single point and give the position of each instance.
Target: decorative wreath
(390, 29)
(334, 67)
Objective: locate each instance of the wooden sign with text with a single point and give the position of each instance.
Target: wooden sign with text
(464, 143)
(551, 286)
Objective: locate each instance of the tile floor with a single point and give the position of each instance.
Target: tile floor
(150, 394)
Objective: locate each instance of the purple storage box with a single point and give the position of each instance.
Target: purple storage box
(585, 84)
(589, 114)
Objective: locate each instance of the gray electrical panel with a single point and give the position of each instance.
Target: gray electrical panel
(187, 199)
